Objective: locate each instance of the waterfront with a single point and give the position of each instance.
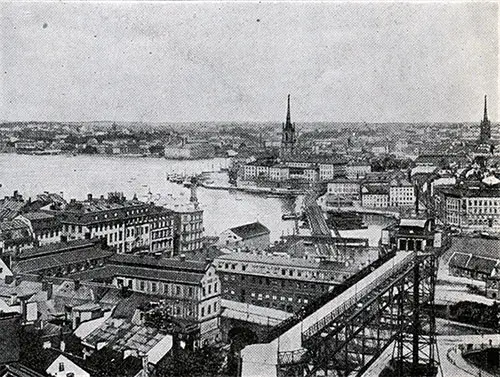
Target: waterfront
(76, 176)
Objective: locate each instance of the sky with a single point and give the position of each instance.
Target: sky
(227, 61)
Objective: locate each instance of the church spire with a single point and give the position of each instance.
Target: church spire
(288, 123)
(485, 116)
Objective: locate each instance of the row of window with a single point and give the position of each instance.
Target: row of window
(283, 283)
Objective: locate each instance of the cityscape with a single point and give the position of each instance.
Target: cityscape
(334, 223)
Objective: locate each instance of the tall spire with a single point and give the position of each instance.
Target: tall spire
(485, 116)
(288, 117)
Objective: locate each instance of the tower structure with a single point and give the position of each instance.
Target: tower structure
(485, 134)
(288, 134)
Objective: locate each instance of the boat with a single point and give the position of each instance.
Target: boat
(187, 183)
(290, 216)
(348, 220)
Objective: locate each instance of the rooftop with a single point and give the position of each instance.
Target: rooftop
(250, 230)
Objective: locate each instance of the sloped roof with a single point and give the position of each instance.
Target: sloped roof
(251, 230)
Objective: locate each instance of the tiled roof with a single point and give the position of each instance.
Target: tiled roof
(250, 230)
(488, 248)
(60, 259)
(55, 248)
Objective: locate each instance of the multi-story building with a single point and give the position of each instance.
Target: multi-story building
(277, 282)
(15, 236)
(401, 193)
(357, 170)
(188, 228)
(126, 225)
(413, 235)
(189, 290)
(46, 228)
(471, 206)
(374, 196)
(342, 187)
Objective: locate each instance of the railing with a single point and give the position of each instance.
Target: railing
(325, 298)
(323, 322)
(291, 357)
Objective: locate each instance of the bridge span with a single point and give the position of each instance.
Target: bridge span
(345, 336)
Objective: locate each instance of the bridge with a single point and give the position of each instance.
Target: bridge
(391, 305)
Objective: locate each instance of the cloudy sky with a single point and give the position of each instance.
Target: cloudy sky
(202, 61)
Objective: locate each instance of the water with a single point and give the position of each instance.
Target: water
(76, 176)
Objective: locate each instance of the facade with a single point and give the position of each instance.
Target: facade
(346, 188)
(357, 171)
(401, 193)
(473, 206)
(46, 228)
(15, 237)
(189, 290)
(188, 228)
(63, 367)
(412, 235)
(374, 196)
(276, 282)
(252, 236)
(126, 225)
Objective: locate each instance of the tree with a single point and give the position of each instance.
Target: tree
(204, 362)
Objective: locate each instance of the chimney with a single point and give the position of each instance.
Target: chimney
(182, 257)
(13, 299)
(89, 197)
(18, 280)
(62, 346)
(77, 284)
(48, 286)
(145, 363)
(9, 279)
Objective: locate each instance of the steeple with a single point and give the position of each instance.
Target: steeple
(287, 134)
(485, 116)
(288, 123)
(485, 126)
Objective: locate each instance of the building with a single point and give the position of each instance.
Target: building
(188, 228)
(189, 290)
(63, 366)
(126, 225)
(474, 258)
(375, 196)
(401, 193)
(471, 206)
(62, 259)
(357, 170)
(288, 137)
(345, 188)
(46, 228)
(15, 236)
(413, 235)
(277, 282)
(10, 324)
(254, 236)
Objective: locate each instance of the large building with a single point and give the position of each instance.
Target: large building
(277, 282)
(188, 289)
(126, 225)
(471, 206)
(188, 228)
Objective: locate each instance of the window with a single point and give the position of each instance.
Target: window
(202, 312)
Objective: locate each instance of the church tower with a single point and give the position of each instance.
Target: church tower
(485, 135)
(288, 135)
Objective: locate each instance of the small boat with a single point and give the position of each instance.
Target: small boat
(290, 216)
(187, 183)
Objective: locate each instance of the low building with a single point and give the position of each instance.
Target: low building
(253, 236)
(277, 282)
(15, 237)
(413, 235)
(64, 366)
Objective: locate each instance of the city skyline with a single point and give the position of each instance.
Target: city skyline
(173, 62)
